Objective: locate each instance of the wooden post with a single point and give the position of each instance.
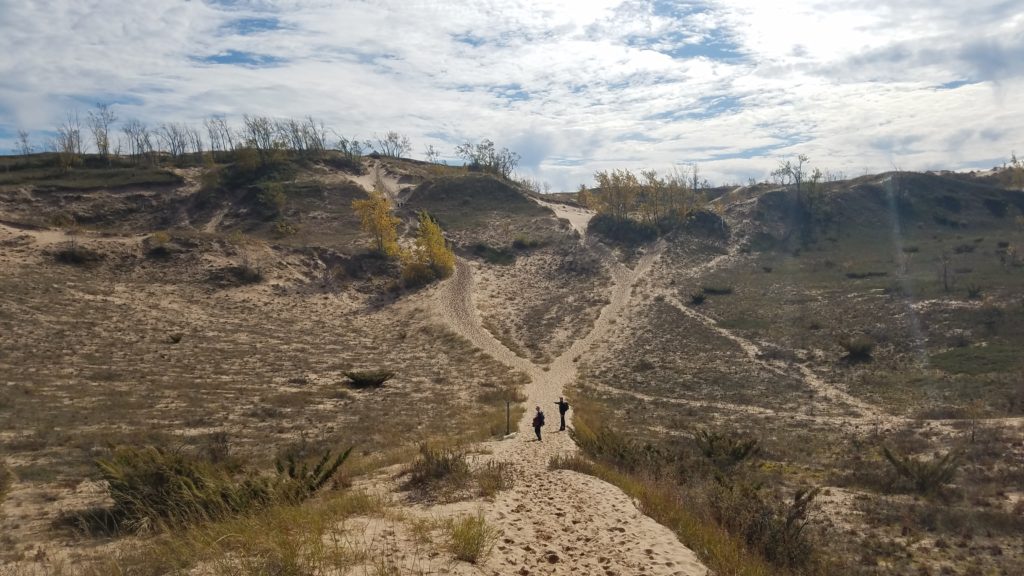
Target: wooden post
(508, 417)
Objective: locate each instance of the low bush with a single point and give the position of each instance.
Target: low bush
(471, 538)
(973, 292)
(862, 275)
(369, 378)
(766, 522)
(77, 255)
(492, 255)
(725, 450)
(6, 480)
(925, 476)
(417, 274)
(858, 347)
(697, 298)
(523, 243)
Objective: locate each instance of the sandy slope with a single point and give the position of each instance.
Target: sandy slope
(562, 522)
(578, 218)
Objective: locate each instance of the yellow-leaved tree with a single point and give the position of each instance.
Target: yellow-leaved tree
(379, 222)
(431, 258)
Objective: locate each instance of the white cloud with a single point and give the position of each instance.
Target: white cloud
(574, 86)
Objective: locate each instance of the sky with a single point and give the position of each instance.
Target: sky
(734, 86)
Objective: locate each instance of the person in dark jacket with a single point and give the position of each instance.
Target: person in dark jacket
(538, 422)
(563, 407)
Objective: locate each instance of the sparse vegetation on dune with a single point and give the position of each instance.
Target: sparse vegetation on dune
(810, 379)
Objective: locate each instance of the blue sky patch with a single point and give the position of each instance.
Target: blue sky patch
(247, 26)
(954, 84)
(239, 58)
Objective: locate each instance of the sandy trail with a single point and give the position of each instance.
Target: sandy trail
(578, 218)
(378, 177)
(563, 522)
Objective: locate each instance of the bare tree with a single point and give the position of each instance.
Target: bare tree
(173, 138)
(100, 121)
(432, 154)
(944, 268)
(68, 143)
(220, 134)
(195, 141)
(140, 140)
(790, 172)
(261, 134)
(393, 144)
(24, 146)
(351, 149)
(484, 156)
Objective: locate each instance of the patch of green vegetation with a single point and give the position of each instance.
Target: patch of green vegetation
(979, 359)
(89, 178)
(622, 230)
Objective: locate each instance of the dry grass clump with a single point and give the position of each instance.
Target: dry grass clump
(471, 538)
(281, 539)
(152, 486)
(494, 477)
(727, 512)
(438, 471)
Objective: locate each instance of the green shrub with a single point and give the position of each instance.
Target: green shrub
(725, 450)
(858, 348)
(471, 539)
(369, 378)
(925, 476)
(973, 292)
(271, 199)
(697, 298)
(622, 230)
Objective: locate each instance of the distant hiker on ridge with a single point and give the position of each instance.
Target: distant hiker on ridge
(538, 422)
(563, 407)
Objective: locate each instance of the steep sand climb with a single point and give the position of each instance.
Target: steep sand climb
(563, 522)
(578, 218)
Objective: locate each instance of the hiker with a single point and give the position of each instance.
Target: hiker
(538, 422)
(563, 407)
